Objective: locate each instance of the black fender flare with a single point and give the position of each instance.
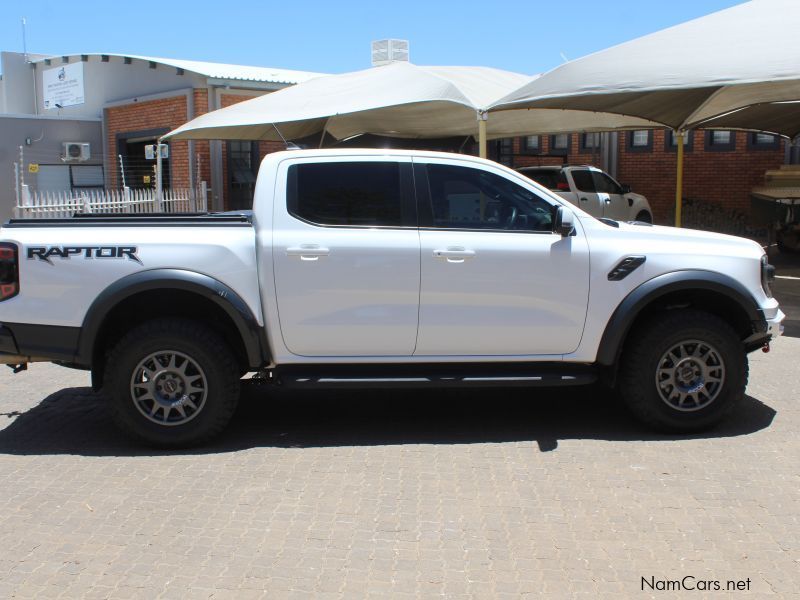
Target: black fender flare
(252, 334)
(639, 298)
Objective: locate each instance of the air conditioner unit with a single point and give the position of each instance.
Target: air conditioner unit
(389, 51)
(76, 152)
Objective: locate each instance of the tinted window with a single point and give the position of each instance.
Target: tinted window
(351, 193)
(465, 198)
(583, 180)
(605, 185)
(552, 179)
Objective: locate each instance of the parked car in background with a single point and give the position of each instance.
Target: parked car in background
(593, 190)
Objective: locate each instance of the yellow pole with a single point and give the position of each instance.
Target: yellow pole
(679, 137)
(482, 117)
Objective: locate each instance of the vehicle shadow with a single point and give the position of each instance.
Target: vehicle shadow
(77, 421)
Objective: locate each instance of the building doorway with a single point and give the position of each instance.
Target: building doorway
(140, 172)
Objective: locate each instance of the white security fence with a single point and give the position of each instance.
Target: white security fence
(33, 204)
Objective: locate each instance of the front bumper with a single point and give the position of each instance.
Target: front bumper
(765, 330)
(774, 325)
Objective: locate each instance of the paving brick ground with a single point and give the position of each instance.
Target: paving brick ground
(398, 495)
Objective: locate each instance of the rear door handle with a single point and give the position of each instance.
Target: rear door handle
(308, 251)
(454, 255)
(584, 199)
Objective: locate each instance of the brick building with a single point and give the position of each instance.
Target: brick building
(116, 105)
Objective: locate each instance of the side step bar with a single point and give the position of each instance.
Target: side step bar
(407, 376)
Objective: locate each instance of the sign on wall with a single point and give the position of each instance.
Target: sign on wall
(63, 86)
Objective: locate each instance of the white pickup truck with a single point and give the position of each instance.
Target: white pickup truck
(384, 268)
(594, 191)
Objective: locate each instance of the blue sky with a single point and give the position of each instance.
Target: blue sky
(335, 36)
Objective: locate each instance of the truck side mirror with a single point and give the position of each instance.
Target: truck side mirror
(564, 222)
(626, 189)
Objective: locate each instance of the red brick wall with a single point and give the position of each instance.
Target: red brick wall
(167, 113)
(576, 156)
(719, 177)
(201, 147)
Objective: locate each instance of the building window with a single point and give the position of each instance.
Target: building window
(720, 140)
(505, 151)
(560, 143)
(763, 141)
(671, 141)
(242, 170)
(640, 140)
(590, 141)
(531, 144)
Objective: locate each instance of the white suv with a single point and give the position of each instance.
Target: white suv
(594, 191)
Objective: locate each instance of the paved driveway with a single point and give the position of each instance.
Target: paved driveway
(400, 495)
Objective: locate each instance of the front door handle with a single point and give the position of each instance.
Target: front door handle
(584, 199)
(454, 255)
(307, 251)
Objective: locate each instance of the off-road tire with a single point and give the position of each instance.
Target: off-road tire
(201, 345)
(642, 357)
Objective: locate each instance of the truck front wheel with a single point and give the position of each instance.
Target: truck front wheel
(683, 371)
(172, 383)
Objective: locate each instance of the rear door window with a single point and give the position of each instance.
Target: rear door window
(355, 194)
(552, 179)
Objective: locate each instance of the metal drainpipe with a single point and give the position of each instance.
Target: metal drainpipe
(35, 72)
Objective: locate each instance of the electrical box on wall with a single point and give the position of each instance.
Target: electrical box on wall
(76, 152)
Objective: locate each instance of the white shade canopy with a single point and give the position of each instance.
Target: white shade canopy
(398, 100)
(683, 75)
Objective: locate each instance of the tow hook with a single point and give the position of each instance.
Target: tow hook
(765, 348)
(18, 368)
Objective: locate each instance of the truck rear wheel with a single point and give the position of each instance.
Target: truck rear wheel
(172, 383)
(683, 371)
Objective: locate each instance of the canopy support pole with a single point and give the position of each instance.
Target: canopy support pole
(483, 116)
(679, 138)
(324, 130)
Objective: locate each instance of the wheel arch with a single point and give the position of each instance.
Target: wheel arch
(640, 205)
(167, 292)
(711, 291)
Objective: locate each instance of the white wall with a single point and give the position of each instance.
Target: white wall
(16, 91)
(114, 81)
(46, 135)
